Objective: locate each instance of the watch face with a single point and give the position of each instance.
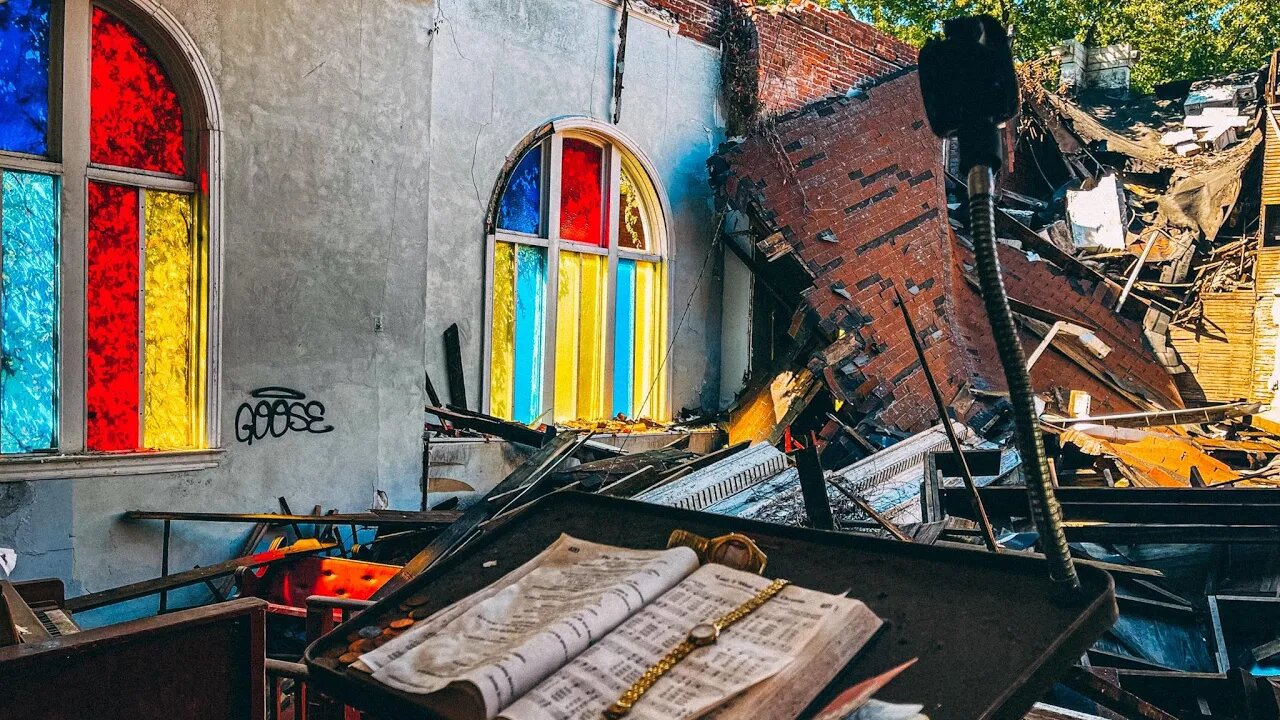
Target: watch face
(703, 634)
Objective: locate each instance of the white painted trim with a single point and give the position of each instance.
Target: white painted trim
(27, 163)
(148, 181)
(486, 337)
(57, 467)
(613, 184)
(77, 50)
(551, 171)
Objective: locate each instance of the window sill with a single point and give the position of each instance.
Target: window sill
(51, 467)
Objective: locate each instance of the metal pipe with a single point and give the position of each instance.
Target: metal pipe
(1044, 504)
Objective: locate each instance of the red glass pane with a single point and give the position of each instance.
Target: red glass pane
(111, 319)
(582, 208)
(136, 121)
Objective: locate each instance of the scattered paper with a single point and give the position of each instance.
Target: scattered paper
(849, 701)
(8, 560)
(490, 563)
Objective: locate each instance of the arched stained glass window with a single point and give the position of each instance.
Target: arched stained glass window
(578, 325)
(139, 342)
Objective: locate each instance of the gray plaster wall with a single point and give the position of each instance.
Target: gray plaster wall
(503, 68)
(362, 142)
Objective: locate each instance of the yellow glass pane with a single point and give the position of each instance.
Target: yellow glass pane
(631, 220)
(650, 399)
(502, 364)
(171, 380)
(580, 337)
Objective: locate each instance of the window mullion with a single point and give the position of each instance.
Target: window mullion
(552, 175)
(74, 109)
(612, 195)
(490, 249)
(142, 316)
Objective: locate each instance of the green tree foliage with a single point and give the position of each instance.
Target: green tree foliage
(1176, 39)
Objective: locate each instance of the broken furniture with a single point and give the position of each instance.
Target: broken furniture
(204, 663)
(33, 611)
(946, 606)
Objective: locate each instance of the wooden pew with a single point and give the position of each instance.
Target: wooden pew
(205, 663)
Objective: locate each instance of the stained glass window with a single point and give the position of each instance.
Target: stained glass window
(582, 206)
(580, 335)
(520, 209)
(170, 387)
(28, 312)
(143, 250)
(24, 76)
(631, 215)
(112, 324)
(135, 117)
(519, 301)
(604, 360)
(142, 363)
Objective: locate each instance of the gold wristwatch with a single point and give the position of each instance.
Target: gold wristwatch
(701, 635)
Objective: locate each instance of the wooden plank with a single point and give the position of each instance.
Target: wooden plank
(453, 362)
(190, 577)
(489, 425)
(813, 487)
(379, 518)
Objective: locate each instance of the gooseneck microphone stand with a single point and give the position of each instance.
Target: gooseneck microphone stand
(970, 90)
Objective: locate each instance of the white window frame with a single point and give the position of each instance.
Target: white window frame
(619, 149)
(68, 161)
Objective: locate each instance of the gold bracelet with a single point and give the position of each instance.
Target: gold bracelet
(701, 635)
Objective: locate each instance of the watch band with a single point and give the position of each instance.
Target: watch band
(701, 635)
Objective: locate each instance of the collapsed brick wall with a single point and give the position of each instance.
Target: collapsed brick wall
(853, 187)
(1131, 365)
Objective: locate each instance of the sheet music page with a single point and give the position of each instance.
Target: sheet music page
(757, 647)
(518, 631)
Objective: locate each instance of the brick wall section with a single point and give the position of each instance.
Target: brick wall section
(855, 187)
(699, 19)
(810, 53)
(800, 54)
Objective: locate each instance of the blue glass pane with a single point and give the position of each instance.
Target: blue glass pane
(28, 311)
(624, 357)
(24, 75)
(521, 206)
(531, 298)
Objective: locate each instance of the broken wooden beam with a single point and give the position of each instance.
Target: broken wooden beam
(871, 512)
(489, 425)
(190, 577)
(988, 535)
(379, 518)
(813, 487)
(453, 366)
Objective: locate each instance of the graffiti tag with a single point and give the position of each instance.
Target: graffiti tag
(278, 410)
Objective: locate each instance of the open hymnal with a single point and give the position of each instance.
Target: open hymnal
(565, 634)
